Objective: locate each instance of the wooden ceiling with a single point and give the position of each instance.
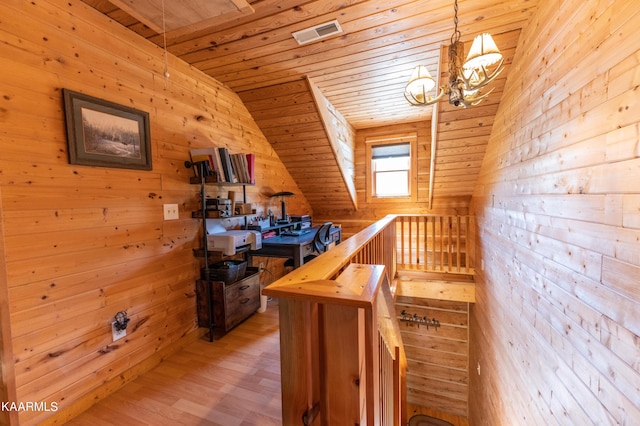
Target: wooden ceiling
(361, 71)
(183, 16)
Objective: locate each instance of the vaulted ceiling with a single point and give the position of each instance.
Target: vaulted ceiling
(361, 71)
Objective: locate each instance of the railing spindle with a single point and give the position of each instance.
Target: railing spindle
(410, 240)
(433, 244)
(458, 245)
(402, 240)
(466, 244)
(449, 253)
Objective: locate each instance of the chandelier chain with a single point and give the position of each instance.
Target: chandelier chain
(455, 37)
(455, 61)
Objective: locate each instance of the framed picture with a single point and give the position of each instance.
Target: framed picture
(105, 134)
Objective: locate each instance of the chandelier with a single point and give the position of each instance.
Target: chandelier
(466, 79)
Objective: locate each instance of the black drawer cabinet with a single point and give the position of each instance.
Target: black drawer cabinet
(232, 303)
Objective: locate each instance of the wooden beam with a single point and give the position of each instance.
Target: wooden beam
(434, 137)
(337, 129)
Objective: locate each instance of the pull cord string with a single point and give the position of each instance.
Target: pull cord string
(164, 36)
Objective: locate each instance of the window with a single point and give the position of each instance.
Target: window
(391, 168)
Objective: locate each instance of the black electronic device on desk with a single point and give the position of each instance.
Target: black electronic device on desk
(301, 222)
(296, 232)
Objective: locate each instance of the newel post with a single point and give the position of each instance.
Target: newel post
(328, 348)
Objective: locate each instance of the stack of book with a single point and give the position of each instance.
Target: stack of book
(224, 167)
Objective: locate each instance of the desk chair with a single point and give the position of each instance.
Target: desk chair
(321, 241)
(323, 238)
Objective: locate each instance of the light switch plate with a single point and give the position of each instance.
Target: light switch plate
(171, 212)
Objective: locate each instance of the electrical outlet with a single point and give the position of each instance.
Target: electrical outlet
(117, 334)
(261, 267)
(171, 212)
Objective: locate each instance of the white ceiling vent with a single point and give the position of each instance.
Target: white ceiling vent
(316, 33)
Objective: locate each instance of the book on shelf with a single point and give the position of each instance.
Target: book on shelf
(204, 156)
(251, 164)
(236, 168)
(242, 159)
(218, 164)
(225, 167)
(239, 167)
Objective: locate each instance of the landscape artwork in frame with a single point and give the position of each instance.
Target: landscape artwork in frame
(105, 134)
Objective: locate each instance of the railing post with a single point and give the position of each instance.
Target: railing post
(330, 348)
(298, 343)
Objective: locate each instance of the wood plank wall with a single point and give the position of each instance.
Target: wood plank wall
(368, 212)
(556, 326)
(82, 243)
(438, 359)
(288, 115)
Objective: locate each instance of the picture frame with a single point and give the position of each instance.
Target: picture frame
(105, 134)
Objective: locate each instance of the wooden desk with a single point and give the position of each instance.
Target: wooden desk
(295, 248)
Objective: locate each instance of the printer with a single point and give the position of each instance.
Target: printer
(230, 242)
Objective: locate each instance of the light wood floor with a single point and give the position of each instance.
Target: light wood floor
(234, 381)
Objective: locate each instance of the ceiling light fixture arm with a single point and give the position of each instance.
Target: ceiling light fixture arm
(425, 98)
(480, 77)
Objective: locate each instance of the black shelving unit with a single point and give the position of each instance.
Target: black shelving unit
(204, 252)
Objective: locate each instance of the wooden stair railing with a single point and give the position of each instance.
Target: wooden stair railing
(420, 243)
(342, 360)
(435, 243)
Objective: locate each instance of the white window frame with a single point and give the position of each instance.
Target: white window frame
(370, 143)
